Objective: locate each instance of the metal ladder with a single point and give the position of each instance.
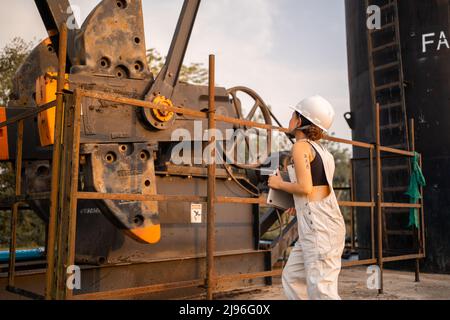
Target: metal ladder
(388, 88)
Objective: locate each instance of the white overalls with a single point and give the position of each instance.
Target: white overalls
(313, 268)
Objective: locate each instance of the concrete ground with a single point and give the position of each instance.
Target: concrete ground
(398, 285)
(352, 286)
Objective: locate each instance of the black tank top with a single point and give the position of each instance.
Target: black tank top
(319, 176)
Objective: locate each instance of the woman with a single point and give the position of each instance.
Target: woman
(314, 265)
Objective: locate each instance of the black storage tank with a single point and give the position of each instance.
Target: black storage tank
(411, 60)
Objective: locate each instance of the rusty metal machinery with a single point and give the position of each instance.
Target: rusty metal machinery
(124, 151)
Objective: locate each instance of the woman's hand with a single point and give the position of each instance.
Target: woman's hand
(292, 212)
(275, 182)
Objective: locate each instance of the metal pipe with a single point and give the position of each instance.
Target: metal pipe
(248, 123)
(15, 208)
(61, 233)
(356, 204)
(404, 258)
(56, 162)
(350, 142)
(218, 199)
(73, 201)
(384, 157)
(379, 195)
(419, 240)
(211, 232)
(140, 103)
(23, 255)
(352, 209)
(399, 205)
(248, 276)
(28, 114)
(25, 293)
(356, 263)
(372, 209)
(424, 252)
(123, 293)
(397, 151)
(137, 197)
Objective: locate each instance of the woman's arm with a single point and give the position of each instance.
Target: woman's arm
(304, 187)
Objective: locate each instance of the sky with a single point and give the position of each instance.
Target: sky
(285, 50)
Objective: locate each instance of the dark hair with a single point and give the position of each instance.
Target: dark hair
(312, 132)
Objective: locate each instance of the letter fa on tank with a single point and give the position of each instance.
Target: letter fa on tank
(434, 41)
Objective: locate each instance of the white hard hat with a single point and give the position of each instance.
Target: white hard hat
(317, 110)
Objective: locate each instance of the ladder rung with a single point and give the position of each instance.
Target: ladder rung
(391, 105)
(395, 168)
(387, 6)
(385, 46)
(384, 27)
(388, 25)
(401, 146)
(387, 66)
(388, 86)
(397, 210)
(396, 189)
(392, 126)
(400, 232)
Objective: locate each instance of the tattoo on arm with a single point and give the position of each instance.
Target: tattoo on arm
(307, 161)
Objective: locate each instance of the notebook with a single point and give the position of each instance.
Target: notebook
(280, 199)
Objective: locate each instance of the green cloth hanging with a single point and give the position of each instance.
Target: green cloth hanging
(417, 181)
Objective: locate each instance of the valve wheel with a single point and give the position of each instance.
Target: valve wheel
(258, 104)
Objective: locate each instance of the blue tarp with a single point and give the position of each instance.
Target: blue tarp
(23, 255)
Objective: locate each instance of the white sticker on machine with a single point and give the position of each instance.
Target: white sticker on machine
(196, 213)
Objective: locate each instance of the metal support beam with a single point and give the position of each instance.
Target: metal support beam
(211, 221)
(49, 294)
(74, 134)
(372, 209)
(417, 231)
(54, 14)
(15, 207)
(67, 208)
(379, 196)
(168, 77)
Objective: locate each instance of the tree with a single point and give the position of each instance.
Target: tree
(194, 73)
(11, 57)
(342, 159)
